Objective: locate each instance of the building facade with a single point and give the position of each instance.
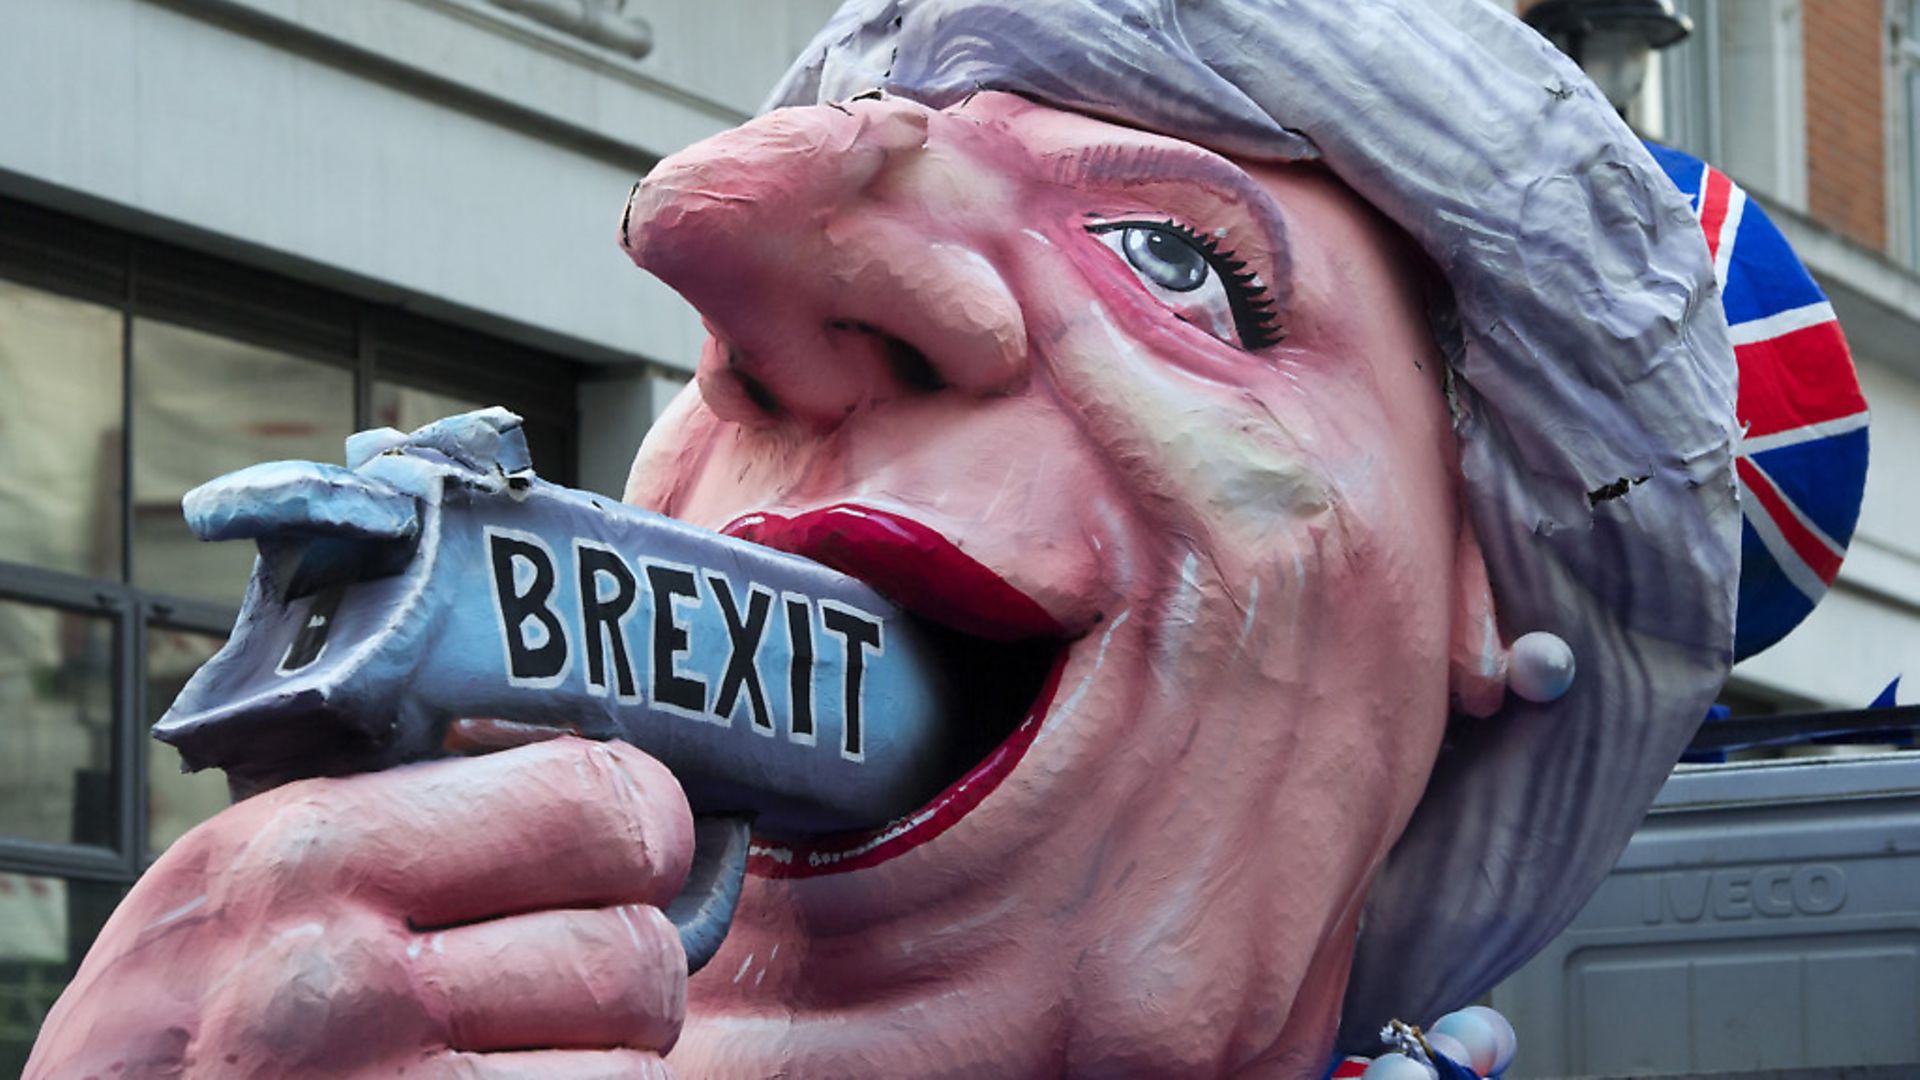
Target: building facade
(1814, 107)
(238, 230)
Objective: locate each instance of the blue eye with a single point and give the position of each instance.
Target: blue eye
(1167, 259)
(1202, 284)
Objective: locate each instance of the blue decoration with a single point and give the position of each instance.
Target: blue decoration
(1802, 460)
(1885, 699)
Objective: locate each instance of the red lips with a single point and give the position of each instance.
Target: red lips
(929, 576)
(907, 562)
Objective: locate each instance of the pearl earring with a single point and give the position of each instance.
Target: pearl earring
(1540, 667)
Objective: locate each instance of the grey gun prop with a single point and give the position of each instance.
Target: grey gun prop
(437, 578)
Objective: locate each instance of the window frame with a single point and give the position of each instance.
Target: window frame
(1692, 91)
(142, 277)
(1902, 96)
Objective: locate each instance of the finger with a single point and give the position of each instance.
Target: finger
(556, 1065)
(609, 977)
(565, 823)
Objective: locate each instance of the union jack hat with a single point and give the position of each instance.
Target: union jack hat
(1802, 462)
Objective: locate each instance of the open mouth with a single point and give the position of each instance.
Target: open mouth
(1002, 653)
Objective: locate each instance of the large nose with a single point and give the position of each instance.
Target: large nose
(840, 256)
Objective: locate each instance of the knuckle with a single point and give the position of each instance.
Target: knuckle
(262, 846)
(297, 833)
(308, 984)
(627, 807)
(616, 769)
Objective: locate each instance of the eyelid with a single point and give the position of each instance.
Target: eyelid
(1195, 176)
(1255, 309)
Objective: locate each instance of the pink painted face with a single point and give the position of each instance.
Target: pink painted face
(1176, 425)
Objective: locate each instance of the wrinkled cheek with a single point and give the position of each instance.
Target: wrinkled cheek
(1205, 451)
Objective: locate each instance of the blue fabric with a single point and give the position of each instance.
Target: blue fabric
(1886, 697)
(1768, 277)
(1809, 474)
(1770, 603)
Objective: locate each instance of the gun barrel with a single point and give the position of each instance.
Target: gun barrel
(767, 683)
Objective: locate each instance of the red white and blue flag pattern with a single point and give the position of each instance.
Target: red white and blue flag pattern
(1802, 463)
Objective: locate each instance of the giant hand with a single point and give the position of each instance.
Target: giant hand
(491, 917)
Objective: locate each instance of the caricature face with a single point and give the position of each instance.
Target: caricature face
(1173, 426)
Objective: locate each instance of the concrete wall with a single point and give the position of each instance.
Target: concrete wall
(447, 153)
(453, 156)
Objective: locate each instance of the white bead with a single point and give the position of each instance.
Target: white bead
(1397, 1067)
(1475, 1034)
(1442, 1043)
(1540, 668)
(1507, 1041)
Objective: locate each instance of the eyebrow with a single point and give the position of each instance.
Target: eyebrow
(1112, 165)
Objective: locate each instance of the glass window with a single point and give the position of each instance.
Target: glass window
(59, 432)
(1905, 147)
(409, 407)
(46, 926)
(1735, 93)
(176, 800)
(56, 709)
(107, 418)
(204, 405)
(1763, 129)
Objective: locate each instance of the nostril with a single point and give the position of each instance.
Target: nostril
(758, 393)
(909, 365)
(755, 390)
(912, 367)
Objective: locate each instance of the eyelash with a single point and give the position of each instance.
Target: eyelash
(1255, 318)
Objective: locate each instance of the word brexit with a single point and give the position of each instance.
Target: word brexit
(429, 583)
(705, 639)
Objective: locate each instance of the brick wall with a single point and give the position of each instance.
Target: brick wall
(1846, 135)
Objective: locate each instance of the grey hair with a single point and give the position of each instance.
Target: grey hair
(1594, 352)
